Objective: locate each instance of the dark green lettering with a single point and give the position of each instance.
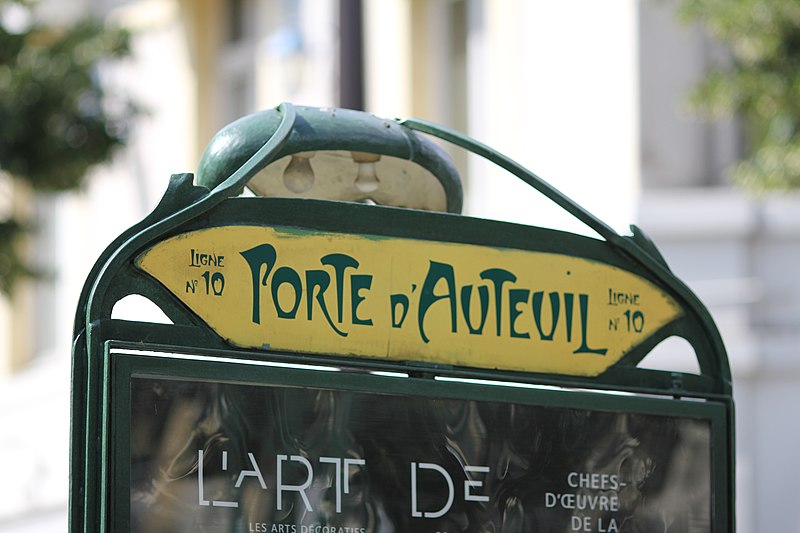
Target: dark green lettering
(584, 347)
(339, 262)
(569, 298)
(281, 276)
(516, 297)
(555, 306)
(402, 301)
(261, 255)
(322, 280)
(466, 297)
(436, 272)
(498, 276)
(359, 282)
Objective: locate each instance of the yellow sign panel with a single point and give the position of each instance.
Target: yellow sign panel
(411, 300)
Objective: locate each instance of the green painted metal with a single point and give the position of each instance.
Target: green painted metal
(318, 129)
(639, 247)
(232, 160)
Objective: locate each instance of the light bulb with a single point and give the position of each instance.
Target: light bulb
(299, 176)
(367, 179)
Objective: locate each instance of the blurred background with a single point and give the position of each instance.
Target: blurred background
(676, 115)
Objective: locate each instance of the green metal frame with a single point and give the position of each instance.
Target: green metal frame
(122, 364)
(316, 129)
(186, 207)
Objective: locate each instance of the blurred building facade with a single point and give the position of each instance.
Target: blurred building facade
(587, 94)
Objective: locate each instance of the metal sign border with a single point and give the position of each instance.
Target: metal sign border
(185, 206)
(123, 366)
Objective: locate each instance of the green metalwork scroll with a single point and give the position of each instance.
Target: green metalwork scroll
(322, 270)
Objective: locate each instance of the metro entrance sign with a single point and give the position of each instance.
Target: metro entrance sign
(334, 366)
(381, 297)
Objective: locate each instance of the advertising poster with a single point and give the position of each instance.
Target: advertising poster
(232, 457)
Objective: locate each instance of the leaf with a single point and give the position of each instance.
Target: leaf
(55, 119)
(762, 86)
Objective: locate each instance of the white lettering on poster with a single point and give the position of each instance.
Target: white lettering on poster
(342, 470)
(266, 527)
(470, 486)
(596, 493)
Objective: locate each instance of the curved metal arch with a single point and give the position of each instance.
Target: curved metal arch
(709, 348)
(174, 212)
(320, 131)
(113, 258)
(85, 372)
(716, 364)
(712, 358)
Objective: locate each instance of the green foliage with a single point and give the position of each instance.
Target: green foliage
(11, 266)
(56, 120)
(762, 87)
